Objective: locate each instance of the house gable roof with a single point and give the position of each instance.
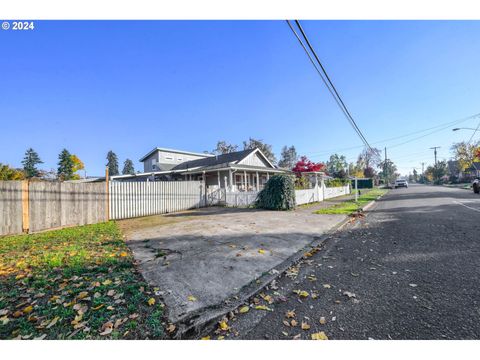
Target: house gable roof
(233, 157)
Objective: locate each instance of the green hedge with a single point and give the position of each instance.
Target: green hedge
(336, 182)
(278, 194)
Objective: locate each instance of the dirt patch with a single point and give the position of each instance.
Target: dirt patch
(129, 226)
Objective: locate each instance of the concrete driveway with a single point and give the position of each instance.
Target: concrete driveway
(203, 260)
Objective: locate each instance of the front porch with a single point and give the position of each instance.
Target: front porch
(234, 179)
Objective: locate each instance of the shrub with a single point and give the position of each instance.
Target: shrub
(336, 182)
(278, 194)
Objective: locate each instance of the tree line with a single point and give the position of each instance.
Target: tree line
(68, 167)
(368, 165)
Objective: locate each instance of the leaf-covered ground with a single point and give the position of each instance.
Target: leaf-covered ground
(75, 283)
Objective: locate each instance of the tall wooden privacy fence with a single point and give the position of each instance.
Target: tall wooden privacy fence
(134, 199)
(40, 205)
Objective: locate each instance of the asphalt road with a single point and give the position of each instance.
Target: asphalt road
(411, 268)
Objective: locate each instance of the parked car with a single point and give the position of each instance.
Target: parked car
(476, 186)
(401, 183)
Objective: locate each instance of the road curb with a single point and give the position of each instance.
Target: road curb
(206, 319)
(372, 203)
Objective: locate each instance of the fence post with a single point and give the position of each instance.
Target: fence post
(107, 193)
(25, 207)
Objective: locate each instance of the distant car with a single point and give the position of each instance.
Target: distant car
(476, 186)
(401, 183)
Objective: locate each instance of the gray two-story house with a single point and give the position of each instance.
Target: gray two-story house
(245, 170)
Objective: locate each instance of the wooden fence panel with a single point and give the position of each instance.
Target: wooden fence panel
(10, 207)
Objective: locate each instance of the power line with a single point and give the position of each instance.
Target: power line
(449, 124)
(326, 80)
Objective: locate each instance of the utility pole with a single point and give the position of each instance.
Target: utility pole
(435, 152)
(385, 167)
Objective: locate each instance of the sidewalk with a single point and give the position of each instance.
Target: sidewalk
(208, 265)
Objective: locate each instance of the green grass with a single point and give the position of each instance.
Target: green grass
(349, 207)
(71, 283)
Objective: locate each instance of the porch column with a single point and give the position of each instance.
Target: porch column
(218, 177)
(245, 179)
(268, 176)
(231, 179)
(258, 182)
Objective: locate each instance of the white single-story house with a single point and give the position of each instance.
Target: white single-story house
(246, 170)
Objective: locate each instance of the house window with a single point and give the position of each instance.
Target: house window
(168, 157)
(179, 159)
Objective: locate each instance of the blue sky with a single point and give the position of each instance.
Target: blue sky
(92, 86)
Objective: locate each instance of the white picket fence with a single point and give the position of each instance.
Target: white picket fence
(135, 199)
(240, 198)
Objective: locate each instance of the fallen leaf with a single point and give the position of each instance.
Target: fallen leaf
(53, 322)
(98, 307)
(40, 337)
(244, 309)
(286, 323)
(302, 293)
(293, 323)
(223, 325)
(135, 315)
(5, 320)
(27, 309)
(296, 337)
(82, 295)
(77, 319)
(192, 298)
(171, 328)
(349, 294)
(285, 333)
(107, 328)
(326, 286)
(107, 282)
(111, 292)
(305, 326)
(319, 336)
(151, 301)
(17, 314)
(4, 312)
(322, 320)
(123, 254)
(205, 338)
(261, 251)
(290, 314)
(413, 285)
(263, 307)
(220, 337)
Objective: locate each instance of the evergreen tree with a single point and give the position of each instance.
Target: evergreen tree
(65, 165)
(112, 163)
(30, 162)
(128, 168)
(289, 157)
